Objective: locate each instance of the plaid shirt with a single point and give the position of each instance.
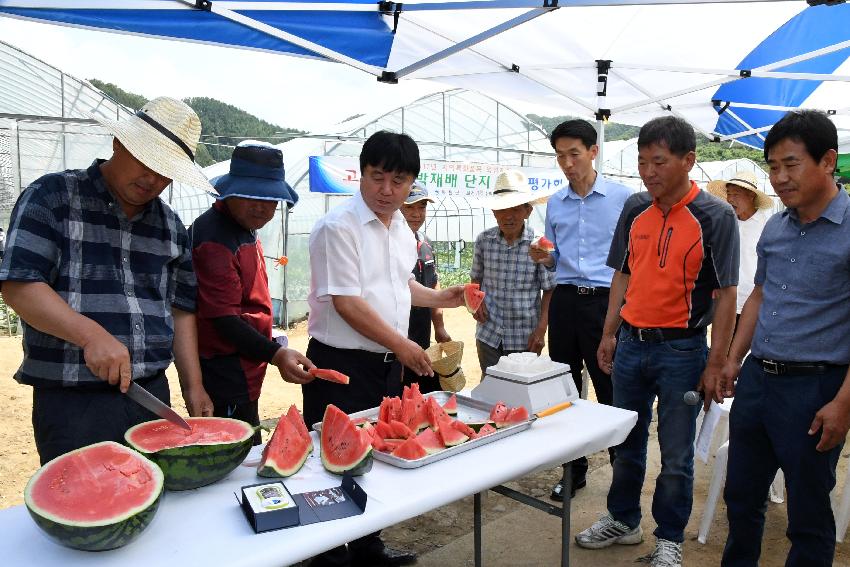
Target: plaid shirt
(512, 283)
(68, 231)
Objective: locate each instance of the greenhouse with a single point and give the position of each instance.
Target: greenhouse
(46, 125)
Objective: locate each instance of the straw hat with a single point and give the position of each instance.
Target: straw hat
(512, 190)
(256, 172)
(163, 135)
(745, 180)
(445, 360)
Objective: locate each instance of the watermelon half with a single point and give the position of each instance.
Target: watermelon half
(191, 459)
(287, 450)
(345, 447)
(95, 498)
(473, 297)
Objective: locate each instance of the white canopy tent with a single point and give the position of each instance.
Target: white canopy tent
(730, 67)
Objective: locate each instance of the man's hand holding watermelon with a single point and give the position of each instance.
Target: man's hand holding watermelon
(540, 251)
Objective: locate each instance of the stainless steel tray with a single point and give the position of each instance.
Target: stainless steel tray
(468, 410)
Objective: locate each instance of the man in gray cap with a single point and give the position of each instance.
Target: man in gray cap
(234, 304)
(415, 211)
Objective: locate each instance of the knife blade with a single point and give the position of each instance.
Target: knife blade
(154, 404)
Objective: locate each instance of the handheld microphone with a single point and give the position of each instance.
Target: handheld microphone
(693, 398)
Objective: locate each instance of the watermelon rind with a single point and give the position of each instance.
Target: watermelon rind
(193, 466)
(100, 535)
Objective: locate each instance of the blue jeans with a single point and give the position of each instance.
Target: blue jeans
(768, 429)
(642, 372)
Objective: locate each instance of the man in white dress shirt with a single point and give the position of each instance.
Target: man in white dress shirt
(361, 289)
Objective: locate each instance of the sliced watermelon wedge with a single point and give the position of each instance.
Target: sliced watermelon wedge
(295, 418)
(345, 448)
(410, 450)
(463, 428)
(486, 429)
(329, 375)
(473, 297)
(430, 441)
(384, 430)
(450, 407)
(499, 413)
(449, 435)
(543, 243)
(286, 452)
(434, 412)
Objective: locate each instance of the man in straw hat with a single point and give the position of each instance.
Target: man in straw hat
(673, 248)
(415, 211)
(752, 207)
(580, 220)
(234, 303)
(100, 271)
(361, 290)
(792, 397)
(514, 316)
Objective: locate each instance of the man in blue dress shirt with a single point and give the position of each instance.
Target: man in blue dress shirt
(580, 221)
(792, 397)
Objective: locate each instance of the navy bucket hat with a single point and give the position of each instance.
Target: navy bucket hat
(256, 172)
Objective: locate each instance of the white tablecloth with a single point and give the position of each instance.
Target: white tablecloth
(207, 527)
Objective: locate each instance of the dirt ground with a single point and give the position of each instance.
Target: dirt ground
(514, 535)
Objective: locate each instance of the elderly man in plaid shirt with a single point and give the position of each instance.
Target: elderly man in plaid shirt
(513, 317)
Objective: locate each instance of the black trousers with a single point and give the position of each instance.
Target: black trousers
(575, 329)
(64, 419)
(370, 379)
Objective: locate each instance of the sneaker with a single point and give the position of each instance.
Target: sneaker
(667, 554)
(608, 531)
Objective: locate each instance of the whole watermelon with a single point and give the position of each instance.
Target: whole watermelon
(191, 459)
(96, 498)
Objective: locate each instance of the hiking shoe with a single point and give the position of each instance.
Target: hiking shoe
(667, 554)
(608, 531)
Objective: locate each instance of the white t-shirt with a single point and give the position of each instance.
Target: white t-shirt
(352, 253)
(750, 231)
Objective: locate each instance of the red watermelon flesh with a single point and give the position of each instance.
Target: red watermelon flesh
(384, 410)
(295, 418)
(395, 409)
(499, 413)
(392, 444)
(161, 434)
(384, 430)
(435, 412)
(463, 428)
(410, 450)
(450, 407)
(400, 430)
(516, 415)
(543, 243)
(329, 375)
(408, 413)
(430, 441)
(486, 429)
(286, 451)
(473, 297)
(345, 448)
(95, 498)
(449, 435)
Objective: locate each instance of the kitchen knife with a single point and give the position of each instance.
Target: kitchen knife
(154, 404)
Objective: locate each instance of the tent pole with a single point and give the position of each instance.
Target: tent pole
(600, 137)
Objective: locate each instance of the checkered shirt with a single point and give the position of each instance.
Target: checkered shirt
(512, 283)
(69, 232)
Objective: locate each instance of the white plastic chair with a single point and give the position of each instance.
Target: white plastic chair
(842, 511)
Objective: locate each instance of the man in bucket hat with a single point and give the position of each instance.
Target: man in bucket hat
(752, 207)
(234, 304)
(100, 271)
(513, 317)
(415, 211)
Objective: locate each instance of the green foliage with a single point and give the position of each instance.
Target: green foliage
(613, 130)
(119, 95)
(222, 125)
(448, 273)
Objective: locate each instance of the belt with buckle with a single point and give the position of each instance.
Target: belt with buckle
(660, 335)
(586, 289)
(779, 367)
